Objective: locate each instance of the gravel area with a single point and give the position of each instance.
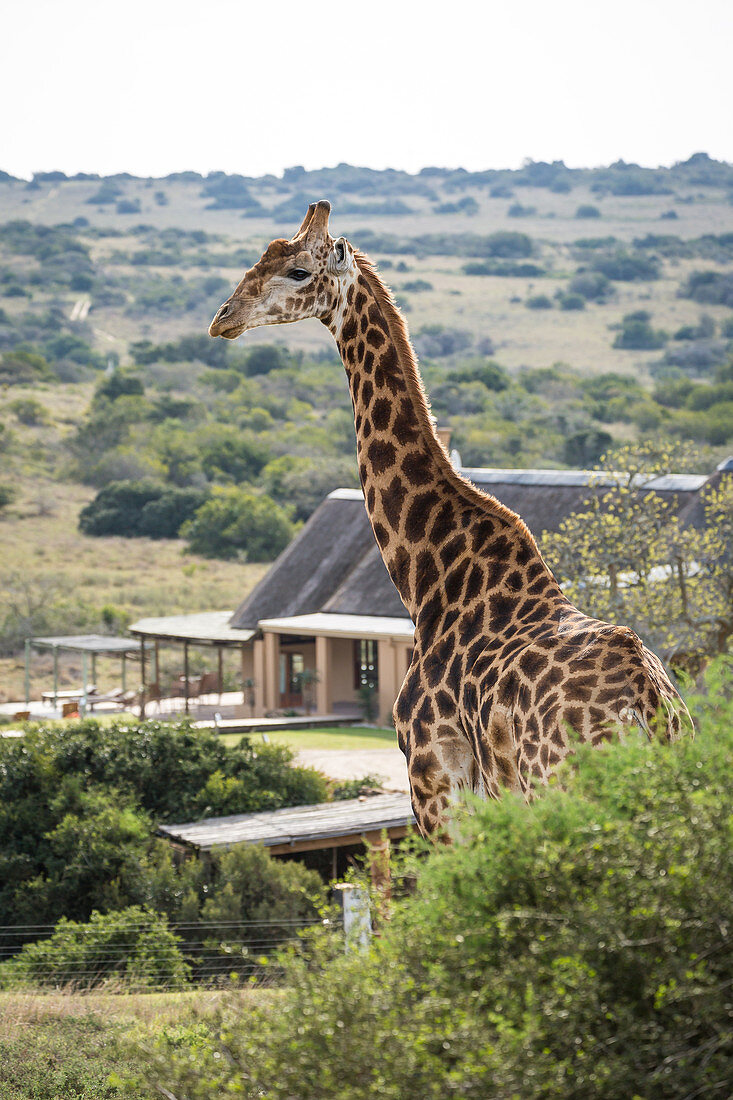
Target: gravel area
(388, 764)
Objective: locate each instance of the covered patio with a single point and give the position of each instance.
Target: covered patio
(90, 647)
(207, 629)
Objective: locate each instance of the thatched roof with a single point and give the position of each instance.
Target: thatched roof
(334, 541)
(544, 498)
(334, 564)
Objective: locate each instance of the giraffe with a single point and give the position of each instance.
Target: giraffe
(505, 672)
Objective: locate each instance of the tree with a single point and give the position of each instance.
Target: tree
(237, 523)
(626, 557)
(133, 946)
(139, 508)
(78, 806)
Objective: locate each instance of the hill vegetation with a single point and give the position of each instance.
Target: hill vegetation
(541, 345)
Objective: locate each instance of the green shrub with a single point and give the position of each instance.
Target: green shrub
(237, 523)
(576, 948)
(709, 287)
(78, 802)
(23, 368)
(587, 210)
(140, 509)
(637, 334)
(132, 947)
(538, 301)
(627, 267)
(571, 301)
(584, 448)
(591, 285)
(29, 411)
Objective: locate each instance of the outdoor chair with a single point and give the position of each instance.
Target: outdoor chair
(210, 685)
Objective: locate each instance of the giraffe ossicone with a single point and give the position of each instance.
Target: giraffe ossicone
(503, 667)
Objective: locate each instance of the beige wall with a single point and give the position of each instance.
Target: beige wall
(333, 659)
(342, 671)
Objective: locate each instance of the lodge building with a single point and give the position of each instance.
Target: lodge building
(328, 606)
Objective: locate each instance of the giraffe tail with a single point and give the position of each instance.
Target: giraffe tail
(659, 709)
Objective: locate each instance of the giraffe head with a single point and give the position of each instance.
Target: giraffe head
(302, 277)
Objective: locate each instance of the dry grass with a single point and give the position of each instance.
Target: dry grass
(20, 1013)
(134, 577)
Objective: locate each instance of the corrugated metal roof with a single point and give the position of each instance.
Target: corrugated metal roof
(204, 626)
(321, 821)
(348, 626)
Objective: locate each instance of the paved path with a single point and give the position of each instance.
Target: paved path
(388, 764)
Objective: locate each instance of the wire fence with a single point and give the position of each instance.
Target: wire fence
(137, 957)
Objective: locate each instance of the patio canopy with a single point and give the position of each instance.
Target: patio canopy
(87, 644)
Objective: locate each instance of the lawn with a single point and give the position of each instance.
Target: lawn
(337, 737)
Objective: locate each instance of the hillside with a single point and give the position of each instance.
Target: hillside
(556, 313)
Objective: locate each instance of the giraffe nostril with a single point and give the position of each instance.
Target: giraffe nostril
(223, 311)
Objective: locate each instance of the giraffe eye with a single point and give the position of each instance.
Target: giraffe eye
(299, 274)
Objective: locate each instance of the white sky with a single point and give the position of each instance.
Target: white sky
(155, 86)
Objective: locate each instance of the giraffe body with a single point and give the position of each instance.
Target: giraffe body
(504, 668)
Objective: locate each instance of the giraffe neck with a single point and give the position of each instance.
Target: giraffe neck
(425, 516)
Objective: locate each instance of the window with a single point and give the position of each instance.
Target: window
(366, 667)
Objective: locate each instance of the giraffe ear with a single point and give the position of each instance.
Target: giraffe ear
(306, 220)
(339, 258)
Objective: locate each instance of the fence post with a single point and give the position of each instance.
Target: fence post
(354, 902)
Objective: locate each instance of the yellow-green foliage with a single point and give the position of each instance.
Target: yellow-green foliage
(576, 948)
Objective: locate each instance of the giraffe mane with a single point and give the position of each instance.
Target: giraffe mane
(416, 388)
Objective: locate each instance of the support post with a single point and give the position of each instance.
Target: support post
(220, 654)
(354, 902)
(28, 671)
(157, 662)
(379, 869)
(55, 677)
(84, 674)
(258, 674)
(143, 689)
(124, 672)
(94, 668)
(271, 671)
(185, 674)
(324, 702)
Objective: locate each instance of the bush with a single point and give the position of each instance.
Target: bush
(538, 301)
(571, 301)
(709, 287)
(132, 947)
(139, 509)
(637, 334)
(516, 210)
(587, 210)
(237, 523)
(23, 368)
(584, 448)
(29, 411)
(591, 285)
(120, 383)
(562, 951)
(627, 268)
(77, 805)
